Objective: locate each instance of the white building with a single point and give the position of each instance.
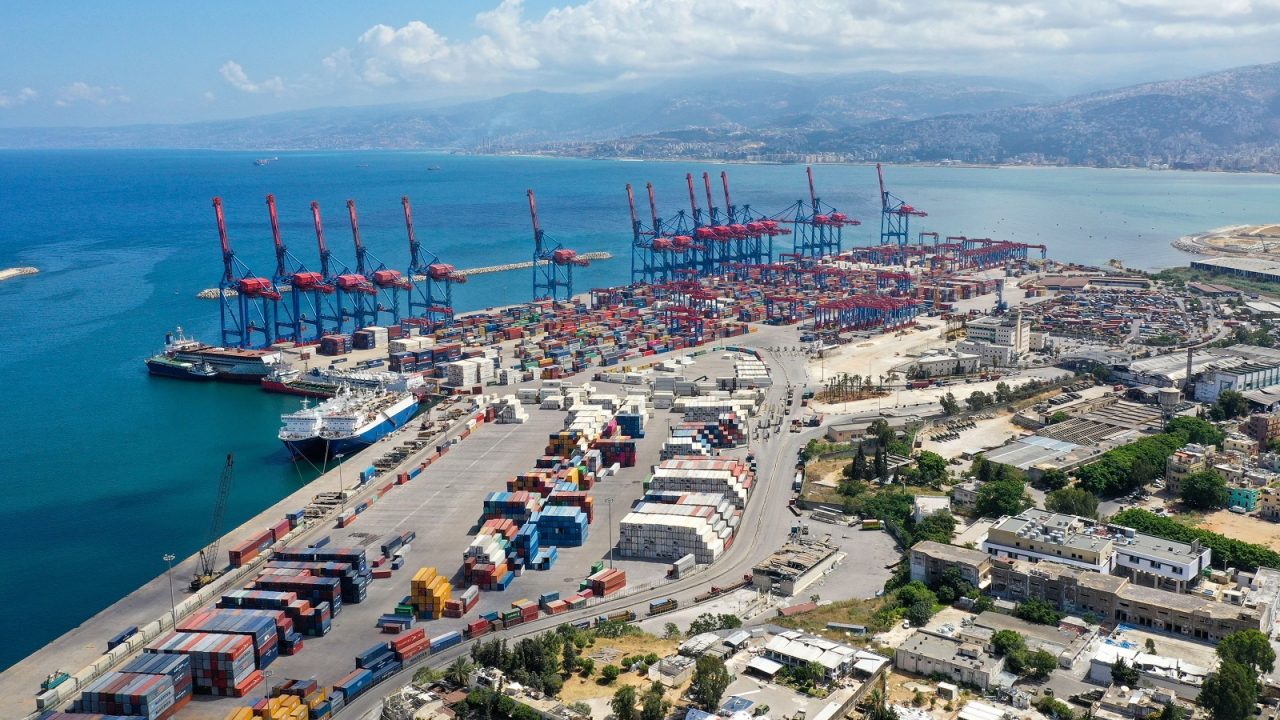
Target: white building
(794, 648)
(998, 340)
(926, 505)
(1240, 378)
(1036, 535)
(936, 363)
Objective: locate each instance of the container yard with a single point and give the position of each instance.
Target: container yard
(644, 397)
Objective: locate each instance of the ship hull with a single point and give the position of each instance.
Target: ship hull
(231, 369)
(319, 448)
(166, 370)
(289, 388)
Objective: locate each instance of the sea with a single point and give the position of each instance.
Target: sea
(106, 469)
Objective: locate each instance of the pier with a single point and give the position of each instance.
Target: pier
(212, 293)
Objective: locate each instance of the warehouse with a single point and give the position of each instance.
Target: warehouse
(1250, 268)
(794, 567)
(793, 649)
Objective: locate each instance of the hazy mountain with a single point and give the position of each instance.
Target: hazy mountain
(537, 119)
(1226, 120)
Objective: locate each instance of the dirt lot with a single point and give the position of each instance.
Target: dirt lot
(1243, 527)
(589, 690)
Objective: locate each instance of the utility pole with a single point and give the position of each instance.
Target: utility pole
(609, 502)
(173, 608)
(342, 487)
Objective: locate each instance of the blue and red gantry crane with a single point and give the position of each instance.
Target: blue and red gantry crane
(431, 281)
(251, 307)
(353, 290)
(819, 227)
(292, 320)
(895, 215)
(387, 283)
(552, 265)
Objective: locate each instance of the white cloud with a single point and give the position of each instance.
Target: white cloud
(236, 76)
(83, 92)
(599, 41)
(22, 97)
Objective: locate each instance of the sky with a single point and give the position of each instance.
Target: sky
(147, 61)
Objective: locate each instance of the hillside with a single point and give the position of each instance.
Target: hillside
(1228, 120)
(530, 120)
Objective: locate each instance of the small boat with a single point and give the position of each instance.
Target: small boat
(433, 168)
(264, 161)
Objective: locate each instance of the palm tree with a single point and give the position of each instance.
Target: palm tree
(459, 672)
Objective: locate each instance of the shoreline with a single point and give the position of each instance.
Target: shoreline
(16, 272)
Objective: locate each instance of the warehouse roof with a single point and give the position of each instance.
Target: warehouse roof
(764, 666)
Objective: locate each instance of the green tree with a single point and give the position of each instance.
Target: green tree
(1052, 479)
(609, 673)
(881, 463)
(1250, 648)
(1007, 641)
(884, 434)
(857, 470)
(624, 703)
(1037, 611)
(914, 592)
(653, 704)
(586, 666)
(950, 406)
(710, 679)
(810, 673)
(459, 671)
(1205, 490)
(1002, 497)
(938, 526)
(1003, 392)
(932, 468)
(918, 614)
(1072, 501)
(1195, 430)
(1058, 417)
(977, 400)
(1230, 404)
(569, 657)
(1170, 711)
(670, 631)
(1231, 693)
(1040, 663)
(1122, 673)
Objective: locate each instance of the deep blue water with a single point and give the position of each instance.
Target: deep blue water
(105, 469)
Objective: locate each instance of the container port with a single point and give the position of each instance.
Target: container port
(649, 397)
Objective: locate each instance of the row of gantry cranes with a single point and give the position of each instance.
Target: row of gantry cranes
(336, 299)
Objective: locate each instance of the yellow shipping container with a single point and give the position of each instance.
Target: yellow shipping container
(243, 713)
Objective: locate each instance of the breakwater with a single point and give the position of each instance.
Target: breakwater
(14, 272)
(212, 293)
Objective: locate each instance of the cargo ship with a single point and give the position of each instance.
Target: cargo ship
(345, 423)
(166, 366)
(230, 363)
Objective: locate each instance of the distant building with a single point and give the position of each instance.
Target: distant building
(1262, 427)
(1117, 600)
(1244, 497)
(926, 653)
(1240, 378)
(1240, 443)
(1189, 460)
(937, 363)
(794, 649)
(1111, 549)
(930, 559)
(926, 505)
(1269, 503)
(965, 496)
(999, 341)
(794, 567)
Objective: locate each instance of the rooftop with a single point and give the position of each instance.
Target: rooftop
(795, 558)
(951, 553)
(948, 649)
(1083, 534)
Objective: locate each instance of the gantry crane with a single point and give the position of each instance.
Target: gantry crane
(208, 570)
(334, 311)
(247, 300)
(387, 283)
(309, 287)
(552, 266)
(895, 215)
(431, 282)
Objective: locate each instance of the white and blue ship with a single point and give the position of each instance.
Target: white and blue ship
(346, 423)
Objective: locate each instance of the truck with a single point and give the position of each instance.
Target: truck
(918, 384)
(798, 481)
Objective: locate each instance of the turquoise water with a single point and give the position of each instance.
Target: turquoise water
(106, 469)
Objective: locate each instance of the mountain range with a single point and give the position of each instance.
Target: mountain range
(1226, 120)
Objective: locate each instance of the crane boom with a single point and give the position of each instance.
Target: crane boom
(281, 252)
(415, 250)
(355, 235)
(228, 257)
(207, 570)
(324, 249)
